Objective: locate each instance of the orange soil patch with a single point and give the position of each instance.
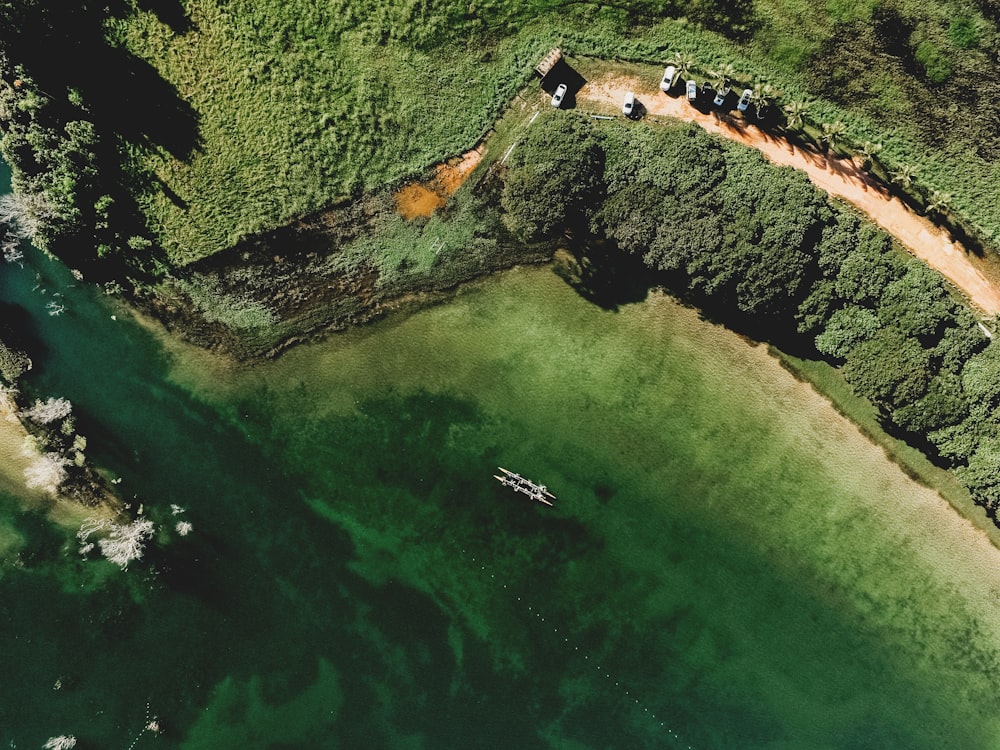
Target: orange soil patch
(842, 178)
(416, 199)
(424, 198)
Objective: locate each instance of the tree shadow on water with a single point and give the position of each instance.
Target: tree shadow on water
(603, 274)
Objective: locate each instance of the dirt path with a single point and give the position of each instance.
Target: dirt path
(838, 177)
(424, 198)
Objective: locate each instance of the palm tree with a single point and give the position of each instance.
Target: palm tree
(763, 95)
(938, 203)
(684, 64)
(795, 112)
(833, 133)
(722, 77)
(869, 151)
(903, 175)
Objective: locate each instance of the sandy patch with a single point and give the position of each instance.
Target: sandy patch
(842, 178)
(424, 198)
(15, 460)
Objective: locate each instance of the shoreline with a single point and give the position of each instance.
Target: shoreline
(979, 525)
(59, 507)
(762, 357)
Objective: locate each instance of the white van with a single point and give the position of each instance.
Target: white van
(667, 82)
(628, 107)
(745, 98)
(557, 98)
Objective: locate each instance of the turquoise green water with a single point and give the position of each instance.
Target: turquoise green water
(729, 565)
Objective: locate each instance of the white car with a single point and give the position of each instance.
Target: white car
(745, 98)
(692, 90)
(628, 108)
(557, 98)
(720, 96)
(667, 82)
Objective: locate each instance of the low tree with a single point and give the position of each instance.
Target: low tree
(763, 97)
(981, 376)
(869, 152)
(903, 175)
(552, 177)
(684, 63)
(833, 133)
(845, 329)
(982, 475)
(943, 405)
(917, 303)
(868, 268)
(796, 112)
(890, 369)
(938, 203)
(722, 77)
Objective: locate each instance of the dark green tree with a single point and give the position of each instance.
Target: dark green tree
(553, 176)
(982, 475)
(890, 369)
(944, 404)
(845, 329)
(981, 376)
(917, 303)
(869, 268)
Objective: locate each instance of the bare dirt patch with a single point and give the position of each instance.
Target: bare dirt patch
(842, 178)
(424, 198)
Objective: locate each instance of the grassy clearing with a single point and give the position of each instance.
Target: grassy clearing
(292, 120)
(299, 106)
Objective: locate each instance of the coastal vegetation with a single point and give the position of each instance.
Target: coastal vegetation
(763, 250)
(323, 480)
(272, 114)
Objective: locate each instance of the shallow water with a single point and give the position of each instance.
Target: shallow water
(729, 565)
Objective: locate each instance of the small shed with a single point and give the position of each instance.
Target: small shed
(543, 68)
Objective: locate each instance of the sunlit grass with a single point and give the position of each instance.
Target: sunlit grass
(300, 107)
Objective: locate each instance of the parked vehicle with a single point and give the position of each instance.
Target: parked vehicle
(745, 98)
(557, 98)
(628, 107)
(667, 82)
(706, 90)
(691, 90)
(720, 96)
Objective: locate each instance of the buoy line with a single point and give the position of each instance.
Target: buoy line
(537, 614)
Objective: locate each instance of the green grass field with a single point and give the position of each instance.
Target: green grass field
(299, 107)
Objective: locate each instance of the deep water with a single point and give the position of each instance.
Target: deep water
(729, 565)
